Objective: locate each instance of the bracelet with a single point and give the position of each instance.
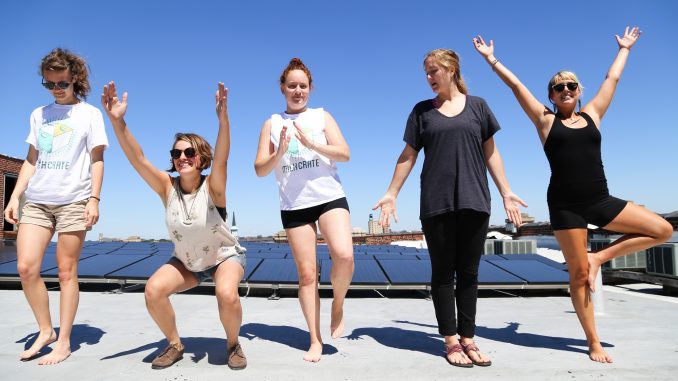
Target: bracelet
(494, 62)
(95, 197)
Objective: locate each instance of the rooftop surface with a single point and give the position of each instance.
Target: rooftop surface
(529, 337)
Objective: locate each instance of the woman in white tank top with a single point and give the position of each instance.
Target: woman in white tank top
(196, 220)
(302, 145)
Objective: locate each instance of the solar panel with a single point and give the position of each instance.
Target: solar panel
(488, 273)
(536, 257)
(407, 271)
(100, 265)
(266, 254)
(140, 270)
(532, 271)
(366, 273)
(275, 271)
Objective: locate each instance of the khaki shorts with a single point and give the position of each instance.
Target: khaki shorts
(62, 218)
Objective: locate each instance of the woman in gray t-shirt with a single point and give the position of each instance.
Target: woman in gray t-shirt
(456, 132)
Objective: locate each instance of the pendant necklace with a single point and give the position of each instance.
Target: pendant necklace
(187, 212)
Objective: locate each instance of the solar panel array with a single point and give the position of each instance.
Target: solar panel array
(271, 265)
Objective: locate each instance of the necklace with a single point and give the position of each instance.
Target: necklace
(188, 213)
(571, 121)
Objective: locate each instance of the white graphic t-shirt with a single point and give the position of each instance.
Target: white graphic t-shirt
(305, 178)
(64, 135)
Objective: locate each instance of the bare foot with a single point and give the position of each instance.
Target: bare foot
(476, 356)
(337, 322)
(598, 354)
(594, 268)
(314, 352)
(42, 341)
(60, 353)
(458, 358)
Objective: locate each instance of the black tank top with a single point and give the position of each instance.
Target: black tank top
(577, 175)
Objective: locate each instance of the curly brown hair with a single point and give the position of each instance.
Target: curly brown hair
(202, 148)
(62, 59)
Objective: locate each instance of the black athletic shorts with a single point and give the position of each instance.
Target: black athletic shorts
(300, 217)
(599, 213)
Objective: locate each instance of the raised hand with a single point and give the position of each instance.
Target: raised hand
(630, 37)
(221, 99)
(115, 109)
(302, 137)
(284, 142)
(388, 209)
(482, 48)
(512, 207)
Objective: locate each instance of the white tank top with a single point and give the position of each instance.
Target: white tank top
(202, 239)
(305, 178)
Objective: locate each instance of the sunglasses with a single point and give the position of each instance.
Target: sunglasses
(572, 86)
(188, 152)
(63, 85)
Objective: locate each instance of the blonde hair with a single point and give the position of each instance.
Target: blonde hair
(450, 61)
(563, 75)
(201, 146)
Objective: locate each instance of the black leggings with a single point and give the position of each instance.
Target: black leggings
(455, 242)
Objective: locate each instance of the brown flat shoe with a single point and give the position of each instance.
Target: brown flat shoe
(236, 358)
(472, 347)
(169, 355)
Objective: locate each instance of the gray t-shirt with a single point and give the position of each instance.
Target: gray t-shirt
(454, 175)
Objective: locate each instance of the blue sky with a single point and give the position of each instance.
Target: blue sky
(366, 59)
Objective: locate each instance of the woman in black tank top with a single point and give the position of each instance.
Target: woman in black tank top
(578, 192)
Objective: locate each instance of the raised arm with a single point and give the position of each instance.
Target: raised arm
(496, 167)
(25, 173)
(158, 180)
(540, 115)
(597, 107)
(336, 148)
(217, 177)
(402, 170)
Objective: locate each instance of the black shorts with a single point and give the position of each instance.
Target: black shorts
(599, 213)
(300, 217)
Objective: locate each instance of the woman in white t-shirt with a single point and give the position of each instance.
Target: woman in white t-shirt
(196, 221)
(61, 179)
(302, 145)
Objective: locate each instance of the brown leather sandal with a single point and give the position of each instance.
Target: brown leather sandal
(455, 348)
(472, 347)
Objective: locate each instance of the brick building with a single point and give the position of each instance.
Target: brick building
(9, 172)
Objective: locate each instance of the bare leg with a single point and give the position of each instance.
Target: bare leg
(227, 279)
(335, 226)
(69, 246)
(573, 243)
(303, 241)
(32, 241)
(167, 280)
(642, 229)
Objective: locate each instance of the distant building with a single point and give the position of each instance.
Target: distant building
(133, 238)
(373, 227)
(511, 228)
(234, 227)
(9, 172)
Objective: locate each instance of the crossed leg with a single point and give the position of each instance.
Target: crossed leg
(641, 228)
